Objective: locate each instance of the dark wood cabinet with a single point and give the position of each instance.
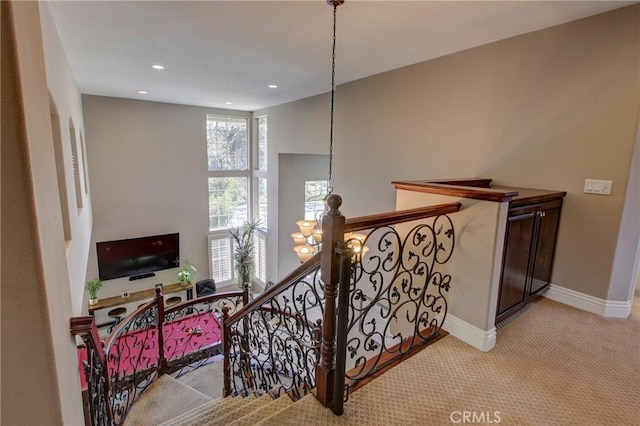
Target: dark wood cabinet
(530, 234)
(529, 248)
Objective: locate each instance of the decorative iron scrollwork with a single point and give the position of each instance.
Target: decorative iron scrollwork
(275, 348)
(193, 332)
(396, 293)
(94, 375)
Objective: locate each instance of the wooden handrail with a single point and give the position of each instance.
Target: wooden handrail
(116, 332)
(294, 276)
(295, 317)
(475, 190)
(85, 326)
(204, 299)
(391, 218)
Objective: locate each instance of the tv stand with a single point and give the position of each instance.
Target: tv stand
(136, 296)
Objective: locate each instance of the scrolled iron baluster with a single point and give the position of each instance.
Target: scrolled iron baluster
(397, 300)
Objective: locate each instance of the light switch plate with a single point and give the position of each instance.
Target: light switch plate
(597, 186)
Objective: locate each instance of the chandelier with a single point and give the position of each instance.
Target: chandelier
(308, 240)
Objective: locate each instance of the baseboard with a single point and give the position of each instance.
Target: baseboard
(585, 302)
(484, 340)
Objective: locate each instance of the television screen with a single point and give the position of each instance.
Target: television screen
(123, 258)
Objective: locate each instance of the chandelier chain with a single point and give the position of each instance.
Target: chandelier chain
(333, 92)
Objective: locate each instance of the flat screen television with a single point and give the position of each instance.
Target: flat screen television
(136, 256)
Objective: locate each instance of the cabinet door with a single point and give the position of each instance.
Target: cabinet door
(548, 219)
(517, 250)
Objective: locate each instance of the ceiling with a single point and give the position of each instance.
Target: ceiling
(224, 54)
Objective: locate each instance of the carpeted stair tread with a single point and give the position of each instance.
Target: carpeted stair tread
(268, 410)
(157, 403)
(250, 404)
(207, 379)
(291, 410)
(221, 406)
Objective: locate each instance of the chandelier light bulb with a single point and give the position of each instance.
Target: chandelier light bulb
(306, 227)
(304, 252)
(298, 238)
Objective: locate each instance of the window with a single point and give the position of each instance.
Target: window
(262, 143)
(314, 193)
(228, 202)
(260, 256)
(227, 143)
(262, 202)
(260, 173)
(221, 258)
(237, 185)
(228, 162)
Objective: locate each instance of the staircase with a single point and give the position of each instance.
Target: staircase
(370, 299)
(173, 402)
(232, 411)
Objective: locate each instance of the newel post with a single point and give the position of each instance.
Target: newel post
(332, 234)
(159, 298)
(96, 372)
(226, 344)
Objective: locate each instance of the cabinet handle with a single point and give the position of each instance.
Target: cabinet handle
(542, 214)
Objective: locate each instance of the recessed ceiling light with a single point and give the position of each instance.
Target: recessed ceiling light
(229, 103)
(142, 92)
(157, 67)
(272, 86)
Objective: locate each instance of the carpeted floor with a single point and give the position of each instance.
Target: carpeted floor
(552, 365)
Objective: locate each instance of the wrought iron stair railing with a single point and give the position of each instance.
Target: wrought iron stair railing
(392, 303)
(273, 343)
(297, 335)
(152, 341)
(392, 291)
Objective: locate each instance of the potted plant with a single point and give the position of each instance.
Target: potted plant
(186, 273)
(92, 287)
(243, 252)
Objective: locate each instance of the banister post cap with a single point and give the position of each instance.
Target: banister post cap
(334, 201)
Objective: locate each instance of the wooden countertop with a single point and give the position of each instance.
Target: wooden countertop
(480, 189)
(137, 296)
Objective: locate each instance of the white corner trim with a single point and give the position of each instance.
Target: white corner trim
(484, 340)
(606, 308)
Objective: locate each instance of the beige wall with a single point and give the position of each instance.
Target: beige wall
(148, 170)
(475, 266)
(543, 110)
(293, 171)
(628, 246)
(63, 92)
(39, 367)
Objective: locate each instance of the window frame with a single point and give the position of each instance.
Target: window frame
(252, 175)
(231, 173)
